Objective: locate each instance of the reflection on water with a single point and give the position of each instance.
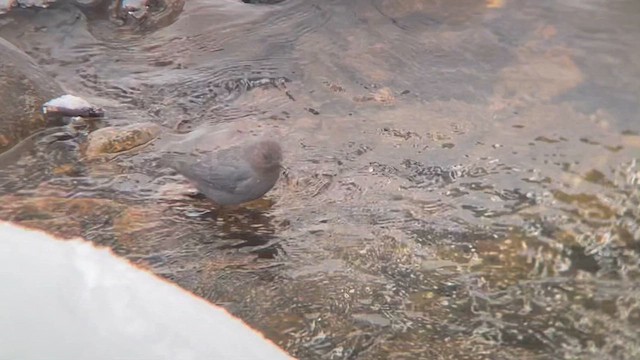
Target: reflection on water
(463, 179)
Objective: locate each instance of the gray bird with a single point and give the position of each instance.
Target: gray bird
(233, 175)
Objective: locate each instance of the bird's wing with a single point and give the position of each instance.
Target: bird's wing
(225, 177)
(180, 162)
(209, 171)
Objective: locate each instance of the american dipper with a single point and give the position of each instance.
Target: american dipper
(233, 175)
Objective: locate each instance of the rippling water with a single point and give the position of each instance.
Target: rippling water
(463, 175)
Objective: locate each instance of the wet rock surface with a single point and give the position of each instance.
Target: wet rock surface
(24, 87)
(136, 14)
(47, 213)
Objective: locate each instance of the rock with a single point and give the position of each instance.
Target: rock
(70, 105)
(122, 225)
(146, 13)
(6, 5)
(135, 8)
(23, 88)
(131, 225)
(66, 170)
(117, 139)
(539, 74)
(35, 3)
(88, 3)
(382, 96)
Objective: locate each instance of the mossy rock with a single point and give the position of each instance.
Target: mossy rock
(117, 139)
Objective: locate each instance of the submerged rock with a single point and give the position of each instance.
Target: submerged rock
(59, 216)
(135, 8)
(71, 217)
(70, 105)
(146, 13)
(117, 139)
(6, 5)
(23, 88)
